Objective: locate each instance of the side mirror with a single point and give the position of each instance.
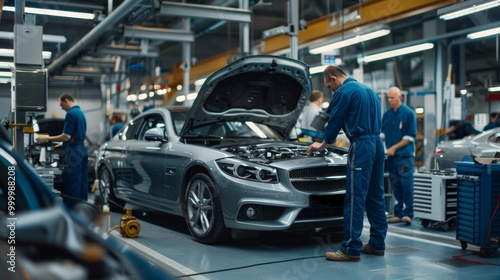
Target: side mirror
(156, 134)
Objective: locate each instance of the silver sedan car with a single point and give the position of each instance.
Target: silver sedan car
(484, 145)
(227, 164)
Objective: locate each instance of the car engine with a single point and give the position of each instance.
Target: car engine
(267, 153)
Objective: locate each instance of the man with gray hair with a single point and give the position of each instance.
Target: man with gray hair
(399, 128)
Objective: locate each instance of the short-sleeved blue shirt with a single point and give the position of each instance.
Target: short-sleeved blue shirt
(75, 126)
(356, 109)
(400, 124)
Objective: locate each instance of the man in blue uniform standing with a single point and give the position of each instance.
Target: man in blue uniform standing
(399, 128)
(356, 109)
(75, 173)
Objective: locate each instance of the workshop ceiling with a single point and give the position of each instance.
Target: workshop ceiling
(212, 37)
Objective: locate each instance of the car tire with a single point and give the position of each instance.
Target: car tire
(203, 211)
(107, 190)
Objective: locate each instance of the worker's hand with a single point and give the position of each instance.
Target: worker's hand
(41, 139)
(391, 151)
(316, 146)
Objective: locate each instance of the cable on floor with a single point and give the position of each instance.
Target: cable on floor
(248, 266)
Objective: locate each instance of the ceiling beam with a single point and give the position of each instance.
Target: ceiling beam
(100, 62)
(108, 23)
(135, 51)
(371, 12)
(162, 34)
(205, 11)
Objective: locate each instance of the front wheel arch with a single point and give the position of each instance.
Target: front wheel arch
(203, 210)
(107, 188)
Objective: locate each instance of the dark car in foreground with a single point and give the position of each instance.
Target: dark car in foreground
(484, 145)
(226, 164)
(41, 239)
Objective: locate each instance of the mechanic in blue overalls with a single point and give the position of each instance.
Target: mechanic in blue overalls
(356, 109)
(75, 172)
(399, 128)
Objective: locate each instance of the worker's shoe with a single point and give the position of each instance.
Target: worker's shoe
(407, 220)
(341, 257)
(394, 219)
(367, 249)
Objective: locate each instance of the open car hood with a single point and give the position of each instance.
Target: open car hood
(265, 89)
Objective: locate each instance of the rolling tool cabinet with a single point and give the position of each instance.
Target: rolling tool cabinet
(435, 199)
(478, 193)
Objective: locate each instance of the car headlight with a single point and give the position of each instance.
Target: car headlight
(248, 170)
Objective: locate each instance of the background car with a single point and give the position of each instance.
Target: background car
(227, 162)
(484, 145)
(41, 239)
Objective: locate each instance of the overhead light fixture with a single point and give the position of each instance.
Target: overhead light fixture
(494, 89)
(484, 33)
(55, 13)
(397, 52)
(5, 74)
(466, 8)
(6, 65)
(131, 97)
(180, 98)
(10, 53)
(351, 39)
(317, 69)
(45, 37)
(199, 82)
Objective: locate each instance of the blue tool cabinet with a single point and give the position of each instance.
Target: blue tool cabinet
(478, 189)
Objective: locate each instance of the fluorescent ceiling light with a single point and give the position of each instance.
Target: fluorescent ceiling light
(398, 52)
(484, 33)
(55, 13)
(317, 69)
(466, 8)
(180, 98)
(46, 37)
(6, 65)
(351, 39)
(131, 97)
(192, 96)
(494, 89)
(10, 53)
(5, 74)
(199, 82)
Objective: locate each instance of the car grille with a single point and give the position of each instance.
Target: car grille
(319, 179)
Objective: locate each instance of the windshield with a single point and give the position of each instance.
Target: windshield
(226, 129)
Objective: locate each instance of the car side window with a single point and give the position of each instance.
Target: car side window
(178, 119)
(495, 138)
(149, 122)
(127, 133)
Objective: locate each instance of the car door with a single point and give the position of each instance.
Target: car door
(115, 154)
(147, 159)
